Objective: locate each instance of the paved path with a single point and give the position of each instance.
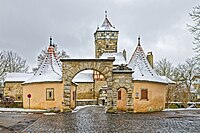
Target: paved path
(94, 119)
(15, 122)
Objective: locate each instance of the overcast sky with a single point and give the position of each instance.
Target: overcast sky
(25, 26)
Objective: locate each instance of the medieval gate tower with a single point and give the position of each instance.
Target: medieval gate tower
(106, 38)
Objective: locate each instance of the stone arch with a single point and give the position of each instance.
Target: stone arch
(71, 67)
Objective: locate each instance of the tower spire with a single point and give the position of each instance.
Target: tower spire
(138, 40)
(106, 15)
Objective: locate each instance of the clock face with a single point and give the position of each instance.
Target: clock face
(107, 36)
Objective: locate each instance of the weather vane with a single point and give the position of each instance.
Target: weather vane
(106, 14)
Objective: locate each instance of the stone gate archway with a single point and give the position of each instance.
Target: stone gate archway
(70, 67)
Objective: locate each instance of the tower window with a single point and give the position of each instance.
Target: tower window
(107, 46)
(101, 34)
(113, 34)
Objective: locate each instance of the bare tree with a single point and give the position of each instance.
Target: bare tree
(195, 28)
(183, 76)
(186, 73)
(164, 68)
(11, 62)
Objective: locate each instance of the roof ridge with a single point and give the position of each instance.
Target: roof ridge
(141, 67)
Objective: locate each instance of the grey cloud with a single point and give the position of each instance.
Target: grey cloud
(25, 26)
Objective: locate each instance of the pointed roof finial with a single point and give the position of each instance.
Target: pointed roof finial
(138, 40)
(51, 41)
(106, 15)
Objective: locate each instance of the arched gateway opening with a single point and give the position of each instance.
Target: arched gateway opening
(72, 67)
(89, 87)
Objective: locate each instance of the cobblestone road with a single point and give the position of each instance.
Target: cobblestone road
(94, 119)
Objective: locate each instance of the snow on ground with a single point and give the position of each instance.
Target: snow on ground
(181, 109)
(81, 107)
(20, 110)
(38, 110)
(49, 113)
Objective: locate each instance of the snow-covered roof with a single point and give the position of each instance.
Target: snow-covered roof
(84, 77)
(169, 81)
(50, 69)
(17, 77)
(106, 26)
(142, 70)
(119, 58)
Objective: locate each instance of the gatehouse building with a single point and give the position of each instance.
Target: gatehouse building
(109, 79)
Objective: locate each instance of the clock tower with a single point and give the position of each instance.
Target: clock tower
(106, 37)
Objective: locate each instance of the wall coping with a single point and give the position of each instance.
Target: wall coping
(87, 60)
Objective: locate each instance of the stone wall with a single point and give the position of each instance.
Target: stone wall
(1, 92)
(98, 86)
(85, 90)
(13, 89)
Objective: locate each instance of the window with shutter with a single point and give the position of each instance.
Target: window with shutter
(144, 94)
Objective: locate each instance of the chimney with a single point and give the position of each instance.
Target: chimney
(150, 58)
(124, 54)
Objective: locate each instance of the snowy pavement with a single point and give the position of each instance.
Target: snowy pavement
(21, 110)
(94, 119)
(182, 109)
(45, 112)
(75, 110)
(81, 107)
